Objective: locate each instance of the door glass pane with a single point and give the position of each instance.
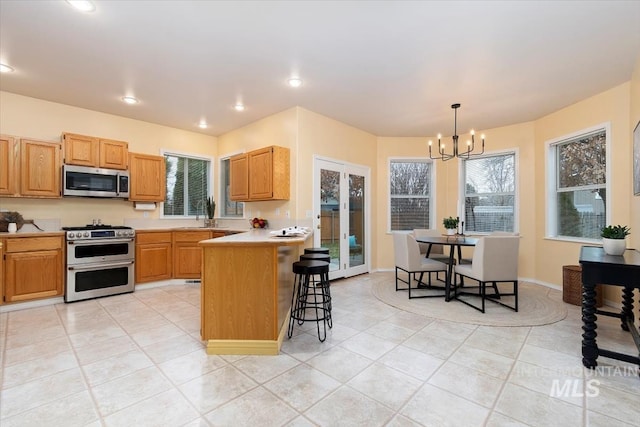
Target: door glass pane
(356, 220)
(330, 214)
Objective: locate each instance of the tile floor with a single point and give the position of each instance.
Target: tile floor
(137, 360)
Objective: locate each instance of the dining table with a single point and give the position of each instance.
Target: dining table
(455, 243)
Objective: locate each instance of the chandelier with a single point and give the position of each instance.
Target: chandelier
(443, 155)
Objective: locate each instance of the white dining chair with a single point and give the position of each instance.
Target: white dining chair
(409, 260)
(495, 260)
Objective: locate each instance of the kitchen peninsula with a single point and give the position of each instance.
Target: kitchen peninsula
(247, 282)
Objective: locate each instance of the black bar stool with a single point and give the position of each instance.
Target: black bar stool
(310, 300)
(320, 257)
(316, 251)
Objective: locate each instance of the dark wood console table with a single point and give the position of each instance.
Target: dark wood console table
(599, 268)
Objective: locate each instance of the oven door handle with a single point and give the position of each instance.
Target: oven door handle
(99, 266)
(98, 241)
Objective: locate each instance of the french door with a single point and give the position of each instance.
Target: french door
(341, 215)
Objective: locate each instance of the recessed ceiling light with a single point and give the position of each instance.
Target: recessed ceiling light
(202, 124)
(82, 5)
(239, 107)
(130, 100)
(4, 68)
(295, 82)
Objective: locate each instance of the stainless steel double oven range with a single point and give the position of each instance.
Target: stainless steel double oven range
(100, 261)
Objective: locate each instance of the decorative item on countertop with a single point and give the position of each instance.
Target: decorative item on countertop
(613, 239)
(294, 231)
(9, 217)
(210, 206)
(11, 222)
(451, 224)
(259, 223)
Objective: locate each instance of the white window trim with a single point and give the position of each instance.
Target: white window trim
(432, 188)
(165, 151)
(516, 202)
(221, 190)
(551, 177)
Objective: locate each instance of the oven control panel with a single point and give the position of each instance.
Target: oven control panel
(100, 234)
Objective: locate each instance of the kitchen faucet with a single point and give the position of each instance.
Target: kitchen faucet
(199, 205)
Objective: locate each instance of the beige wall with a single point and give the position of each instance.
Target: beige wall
(34, 118)
(635, 120)
(309, 134)
(611, 106)
(306, 134)
(635, 202)
(517, 138)
(325, 137)
(279, 129)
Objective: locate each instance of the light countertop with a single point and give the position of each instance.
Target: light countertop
(256, 236)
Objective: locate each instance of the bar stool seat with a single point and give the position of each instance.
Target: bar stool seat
(311, 300)
(320, 257)
(316, 256)
(316, 251)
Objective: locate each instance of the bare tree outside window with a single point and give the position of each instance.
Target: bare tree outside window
(490, 186)
(410, 185)
(581, 185)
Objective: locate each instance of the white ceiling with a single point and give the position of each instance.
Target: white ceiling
(391, 68)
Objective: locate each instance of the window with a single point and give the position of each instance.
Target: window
(489, 193)
(410, 194)
(229, 208)
(577, 167)
(187, 185)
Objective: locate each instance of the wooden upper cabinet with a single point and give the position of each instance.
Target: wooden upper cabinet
(266, 172)
(40, 163)
(81, 150)
(96, 152)
(9, 162)
(239, 177)
(147, 178)
(114, 154)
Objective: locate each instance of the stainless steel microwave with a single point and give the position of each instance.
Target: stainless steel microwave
(86, 181)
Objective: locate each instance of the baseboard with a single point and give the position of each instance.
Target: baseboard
(253, 347)
(30, 304)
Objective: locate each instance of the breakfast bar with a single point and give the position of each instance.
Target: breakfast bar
(247, 282)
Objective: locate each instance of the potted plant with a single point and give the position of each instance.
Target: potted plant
(613, 241)
(451, 224)
(210, 207)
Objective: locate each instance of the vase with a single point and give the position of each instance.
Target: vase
(12, 227)
(451, 231)
(614, 246)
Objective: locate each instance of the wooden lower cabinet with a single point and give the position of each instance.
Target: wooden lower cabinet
(153, 256)
(33, 268)
(187, 255)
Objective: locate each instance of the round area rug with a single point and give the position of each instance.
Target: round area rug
(535, 306)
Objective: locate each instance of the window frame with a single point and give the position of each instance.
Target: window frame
(164, 152)
(462, 180)
(551, 177)
(222, 190)
(432, 188)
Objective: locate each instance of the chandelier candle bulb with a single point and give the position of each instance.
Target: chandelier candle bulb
(443, 155)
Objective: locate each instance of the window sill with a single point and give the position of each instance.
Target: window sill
(582, 241)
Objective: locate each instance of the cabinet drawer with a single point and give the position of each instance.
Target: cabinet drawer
(33, 244)
(191, 236)
(163, 237)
